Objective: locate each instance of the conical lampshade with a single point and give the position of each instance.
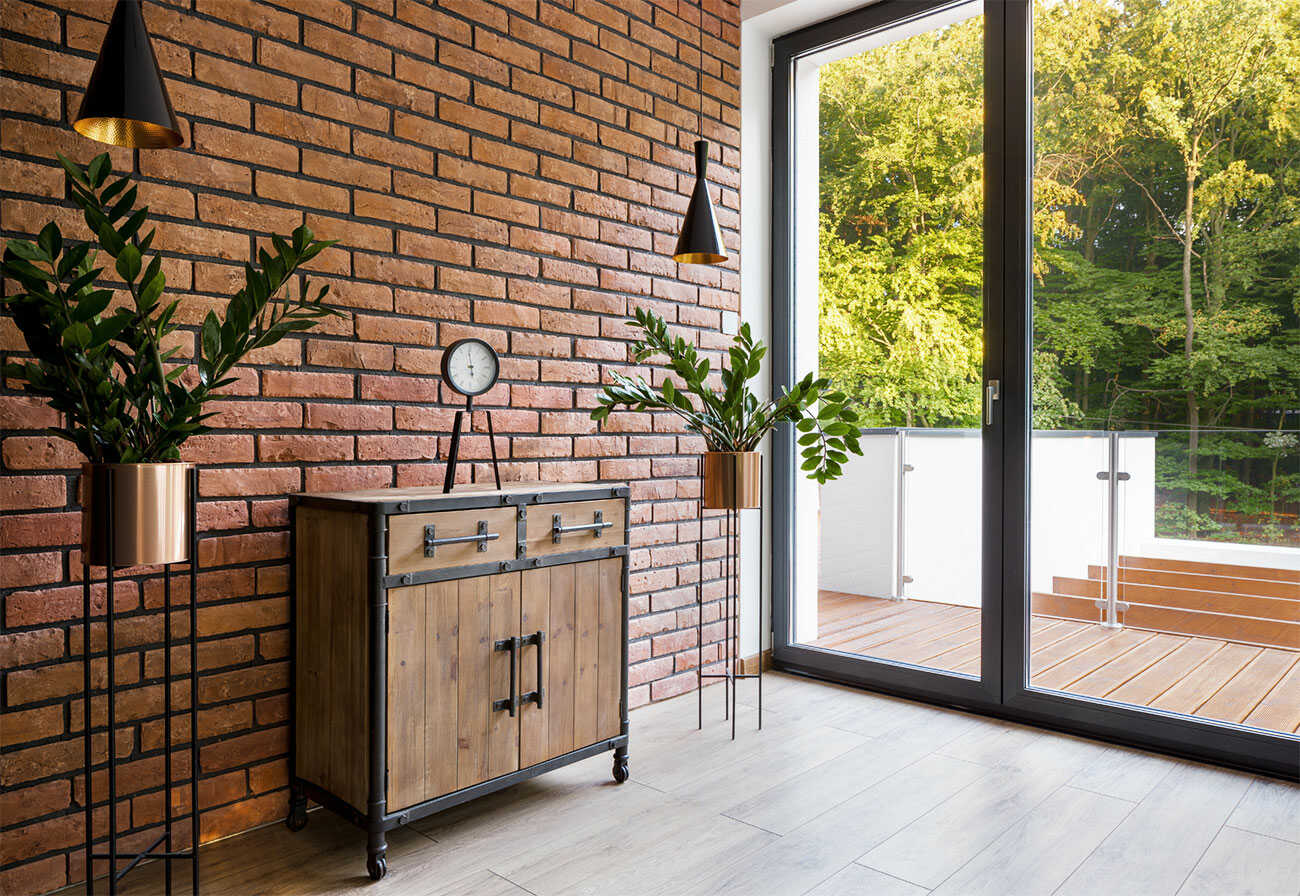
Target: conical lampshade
(701, 239)
(126, 102)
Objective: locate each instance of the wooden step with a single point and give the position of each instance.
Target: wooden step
(1201, 582)
(1211, 569)
(1185, 599)
(1244, 629)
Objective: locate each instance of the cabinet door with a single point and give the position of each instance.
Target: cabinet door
(443, 674)
(580, 608)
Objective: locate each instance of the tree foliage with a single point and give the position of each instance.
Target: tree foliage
(1166, 224)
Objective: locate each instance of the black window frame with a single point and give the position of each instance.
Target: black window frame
(1003, 690)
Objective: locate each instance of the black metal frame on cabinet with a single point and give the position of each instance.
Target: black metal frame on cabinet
(169, 853)
(730, 607)
(377, 821)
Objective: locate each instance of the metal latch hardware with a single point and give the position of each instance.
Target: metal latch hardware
(558, 529)
(432, 542)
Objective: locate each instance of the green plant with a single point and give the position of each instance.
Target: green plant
(733, 418)
(110, 369)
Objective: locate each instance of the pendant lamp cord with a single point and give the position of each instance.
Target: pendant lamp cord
(699, 74)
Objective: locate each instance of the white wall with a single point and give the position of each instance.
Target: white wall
(761, 22)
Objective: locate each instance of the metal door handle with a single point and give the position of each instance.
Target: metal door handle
(534, 696)
(482, 536)
(992, 393)
(558, 528)
(512, 702)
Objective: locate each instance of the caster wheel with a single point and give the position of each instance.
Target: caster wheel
(376, 867)
(297, 818)
(621, 774)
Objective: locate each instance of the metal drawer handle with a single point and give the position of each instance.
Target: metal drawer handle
(483, 536)
(512, 702)
(537, 638)
(558, 528)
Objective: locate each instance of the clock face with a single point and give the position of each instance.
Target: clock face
(470, 366)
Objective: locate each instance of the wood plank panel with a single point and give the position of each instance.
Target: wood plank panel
(406, 539)
(1117, 671)
(333, 649)
(586, 654)
(1149, 684)
(1115, 645)
(1242, 693)
(1132, 665)
(1212, 569)
(407, 727)
(577, 513)
(610, 635)
(560, 656)
(503, 728)
(441, 686)
(475, 680)
(1280, 708)
(535, 615)
(1204, 681)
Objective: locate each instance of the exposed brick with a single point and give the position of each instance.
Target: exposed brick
(509, 170)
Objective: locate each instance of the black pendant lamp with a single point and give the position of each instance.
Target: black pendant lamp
(700, 241)
(126, 102)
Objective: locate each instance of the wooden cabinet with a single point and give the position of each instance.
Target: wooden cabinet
(450, 645)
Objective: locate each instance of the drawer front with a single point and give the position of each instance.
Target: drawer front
(407, 550)
(541, 537)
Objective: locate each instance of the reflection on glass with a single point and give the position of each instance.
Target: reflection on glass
(1165, 560)
(889, 304)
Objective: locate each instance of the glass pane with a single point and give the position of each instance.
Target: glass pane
(1165, 468)
(889, 304)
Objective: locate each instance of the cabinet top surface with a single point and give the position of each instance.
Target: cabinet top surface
(430, 496)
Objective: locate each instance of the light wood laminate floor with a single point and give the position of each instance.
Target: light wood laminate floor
(1207, 677)
(843, 792)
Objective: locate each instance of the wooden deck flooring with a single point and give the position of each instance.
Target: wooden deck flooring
(1211, 678)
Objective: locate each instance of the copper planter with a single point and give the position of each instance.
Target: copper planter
(732, 480)
(150, 513)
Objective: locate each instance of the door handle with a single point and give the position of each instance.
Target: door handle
(537, 638)
(992, 392)
(510, 703)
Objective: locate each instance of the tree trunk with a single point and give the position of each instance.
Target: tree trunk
(1189, 316)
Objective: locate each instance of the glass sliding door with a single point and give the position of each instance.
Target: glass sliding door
(1052, 248)
(887, 250)
(1165, 542)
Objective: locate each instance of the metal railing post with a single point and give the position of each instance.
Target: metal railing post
(1110, 604)
(900, 517)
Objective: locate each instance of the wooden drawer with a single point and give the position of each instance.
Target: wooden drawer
(541, 522)
(406, 537)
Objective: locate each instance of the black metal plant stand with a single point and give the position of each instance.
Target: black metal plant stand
(730, 609)
(169, 852)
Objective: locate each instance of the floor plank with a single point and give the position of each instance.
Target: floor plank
(1245, 864)
(837, 777)
(1271, 808)
(1041, 850)
(1152, 851)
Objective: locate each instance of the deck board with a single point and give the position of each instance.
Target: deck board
(1207, 677)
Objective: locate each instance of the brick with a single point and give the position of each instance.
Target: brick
(349, 417)
(497, 168)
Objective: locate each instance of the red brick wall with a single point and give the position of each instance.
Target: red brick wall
(511, 169)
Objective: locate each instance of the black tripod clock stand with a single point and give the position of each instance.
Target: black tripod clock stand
(470, 367)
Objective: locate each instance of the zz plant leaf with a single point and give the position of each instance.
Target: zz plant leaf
(732, 418)
(106, 367)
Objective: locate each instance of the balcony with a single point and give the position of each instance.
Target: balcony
(1121, 611)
